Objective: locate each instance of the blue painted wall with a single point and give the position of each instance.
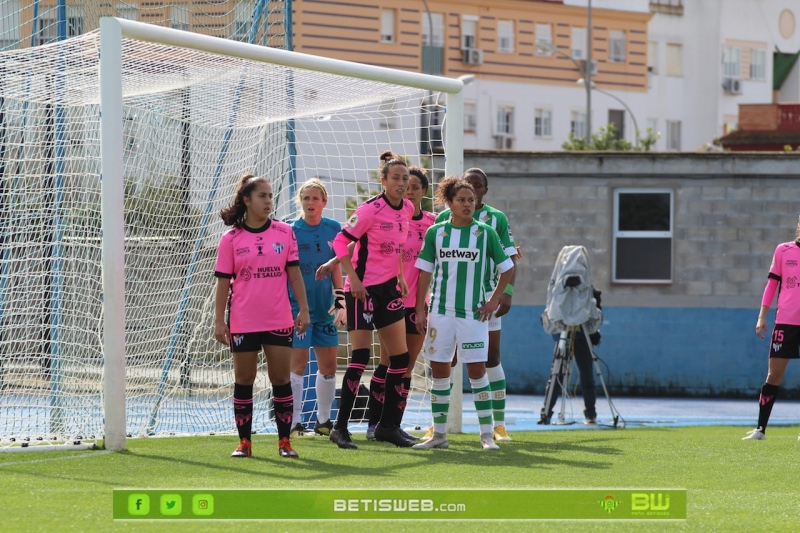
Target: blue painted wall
(654, 352)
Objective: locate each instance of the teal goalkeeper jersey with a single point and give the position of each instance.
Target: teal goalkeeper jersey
(499, 222)
(459, 257)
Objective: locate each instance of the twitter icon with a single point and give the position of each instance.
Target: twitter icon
(171, 504)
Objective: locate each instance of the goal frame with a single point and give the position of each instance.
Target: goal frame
(112, 32)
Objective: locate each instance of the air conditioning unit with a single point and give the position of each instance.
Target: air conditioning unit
(504, 141)
(472, 56)
(732, 85)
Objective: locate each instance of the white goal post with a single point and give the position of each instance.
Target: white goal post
(118, 148)
(112, 33)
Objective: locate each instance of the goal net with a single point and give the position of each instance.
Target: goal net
(183, 118)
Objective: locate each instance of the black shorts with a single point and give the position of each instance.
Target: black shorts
(411, 325)
(384, 307)
(252, 342)
(785, 342)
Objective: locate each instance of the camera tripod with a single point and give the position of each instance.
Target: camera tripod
(561, 372)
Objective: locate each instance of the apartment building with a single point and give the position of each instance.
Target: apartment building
(521, 96)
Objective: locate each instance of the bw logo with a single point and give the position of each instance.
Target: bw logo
(641, 501)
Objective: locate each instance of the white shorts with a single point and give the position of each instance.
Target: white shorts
(447, 332)
(495, 321)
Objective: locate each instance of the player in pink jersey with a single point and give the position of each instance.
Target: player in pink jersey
(255, 259)
(784, 277)
(420, 222)
(379, 228)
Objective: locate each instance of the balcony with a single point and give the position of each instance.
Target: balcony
(667, 7)
(769, 117)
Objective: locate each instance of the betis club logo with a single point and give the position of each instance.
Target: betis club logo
(609, 503)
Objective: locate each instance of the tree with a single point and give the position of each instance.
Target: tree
(606, 140)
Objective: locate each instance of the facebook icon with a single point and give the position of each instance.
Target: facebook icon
(138, 504)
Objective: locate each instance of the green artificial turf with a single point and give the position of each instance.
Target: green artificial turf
(732, 485)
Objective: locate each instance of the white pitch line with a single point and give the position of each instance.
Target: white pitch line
(80, 456)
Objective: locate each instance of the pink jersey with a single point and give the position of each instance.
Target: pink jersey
(255, 260)
(416, 236)
(785, 270)
(380, 230)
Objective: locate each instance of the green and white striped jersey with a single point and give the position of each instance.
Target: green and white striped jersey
(499, 222)
(460, 258)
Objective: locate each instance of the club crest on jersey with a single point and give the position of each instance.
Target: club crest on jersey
(352, 221)
(477, 232)
(367, 317)
(442, 234)
(237, 339)
(484, 216)
(278, 247)
(776, 346)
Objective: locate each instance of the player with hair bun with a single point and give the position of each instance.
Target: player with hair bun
(455, 258)
(499, 222)
(374, 291)
(420, 222)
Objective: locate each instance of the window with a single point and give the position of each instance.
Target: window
(542, 124)
(9, 25)
(616, 46)
(732, 61)
(469, 26)
(674, 135)
(642, 236)
(470, 117)
(505, 120)
(438, 30)
(579, 43)
(674, 59)
(505, 36)
(127, 11)
(544, 35)
(387, 26)
(758, 64)
(617, 118)
(577, 124)
(179, 17)
(242, 22)
(652, 57)
(47, 28)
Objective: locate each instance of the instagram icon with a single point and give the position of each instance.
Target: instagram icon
(202, 504)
